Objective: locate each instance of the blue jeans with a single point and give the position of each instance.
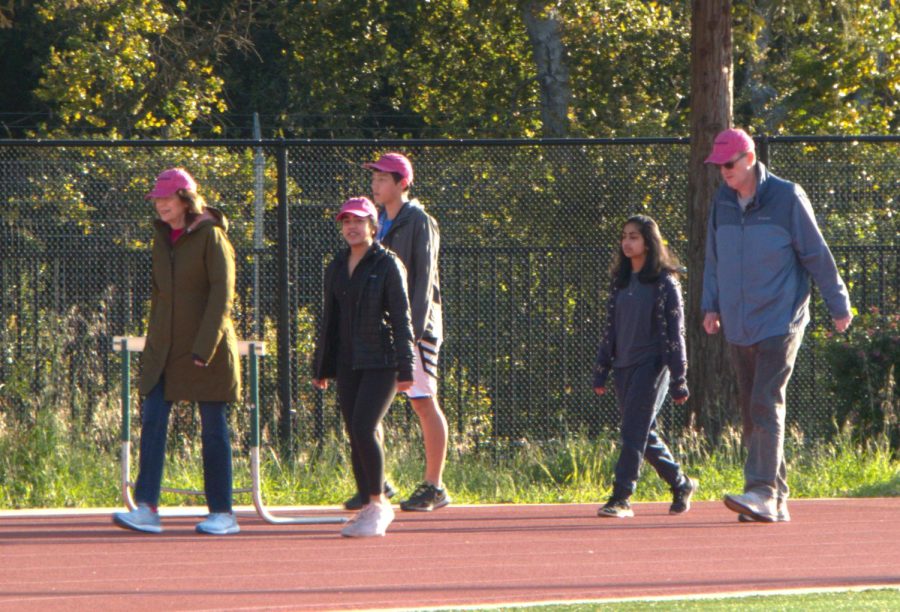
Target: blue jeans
(763, 371)
(216, 451)
(640, 390)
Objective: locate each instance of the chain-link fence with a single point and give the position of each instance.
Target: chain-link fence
(527, 232)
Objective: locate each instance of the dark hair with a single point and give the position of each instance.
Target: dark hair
(195, 204)
(399, 177)
(659, 258)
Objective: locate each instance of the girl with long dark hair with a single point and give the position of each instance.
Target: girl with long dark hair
(643, 345)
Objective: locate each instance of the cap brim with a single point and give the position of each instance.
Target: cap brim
(375, 166)
(717, 159)
(355, 213)
(157, 194)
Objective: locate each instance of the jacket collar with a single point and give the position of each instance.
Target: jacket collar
(211, 216)
(375, 251)
(405, 212)
(763, 177)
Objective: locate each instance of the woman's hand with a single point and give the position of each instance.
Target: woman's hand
(599, 390)
(404, 385)
(320, 383)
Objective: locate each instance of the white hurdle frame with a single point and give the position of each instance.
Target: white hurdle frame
(253, 349)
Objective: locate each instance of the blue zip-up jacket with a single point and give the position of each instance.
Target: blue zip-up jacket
(759, 262)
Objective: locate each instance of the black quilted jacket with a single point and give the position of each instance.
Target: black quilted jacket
(383, 336)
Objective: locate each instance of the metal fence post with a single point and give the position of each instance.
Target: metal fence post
(763, 153)
(284, 304)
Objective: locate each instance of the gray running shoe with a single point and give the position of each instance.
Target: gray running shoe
(754, 505)
(781, 513)
(143, 518)
(219, 523)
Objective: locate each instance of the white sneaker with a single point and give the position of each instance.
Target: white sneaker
(142, 518)
(372, 521)
(351, 526)
(753, 505)
(781, 514)
(219, 523)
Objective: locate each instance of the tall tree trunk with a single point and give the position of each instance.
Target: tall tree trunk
(713, 387)
(545, 33)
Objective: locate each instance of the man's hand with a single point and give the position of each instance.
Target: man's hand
(711, 323)
(320, 383)
(404, 385)
(599, 390)
(842, 324)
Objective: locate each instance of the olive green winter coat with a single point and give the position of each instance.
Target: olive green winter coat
(190, 314)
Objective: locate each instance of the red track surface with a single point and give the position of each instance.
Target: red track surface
(456, 556)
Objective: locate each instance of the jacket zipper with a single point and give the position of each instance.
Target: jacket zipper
(743, 213)
(172, 289)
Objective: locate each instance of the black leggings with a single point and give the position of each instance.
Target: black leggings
(365, 397)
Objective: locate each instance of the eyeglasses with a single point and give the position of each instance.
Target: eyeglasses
(730, 164)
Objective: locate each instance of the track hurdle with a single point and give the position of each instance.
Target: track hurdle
(253, 350)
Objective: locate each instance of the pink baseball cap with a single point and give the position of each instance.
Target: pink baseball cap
(360, 207)
(170, 181)
(393, 162)
(728, 144)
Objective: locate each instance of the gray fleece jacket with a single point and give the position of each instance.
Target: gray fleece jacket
(759, 262)
(415, 238)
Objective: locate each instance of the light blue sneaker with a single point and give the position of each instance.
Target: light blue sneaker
(142, 518)
(219, 523)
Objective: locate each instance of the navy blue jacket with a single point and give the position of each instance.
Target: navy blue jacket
(669, 312)
(759, 262)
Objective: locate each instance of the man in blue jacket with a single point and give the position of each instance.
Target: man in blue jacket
(763, 245)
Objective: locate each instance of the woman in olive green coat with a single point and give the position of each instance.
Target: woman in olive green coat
(191, 352)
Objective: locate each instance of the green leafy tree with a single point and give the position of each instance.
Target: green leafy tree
(407, 68)
(126, 68)
(629, 67)
(818, 66)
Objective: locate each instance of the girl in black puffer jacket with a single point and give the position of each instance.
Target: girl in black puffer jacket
(365, 342)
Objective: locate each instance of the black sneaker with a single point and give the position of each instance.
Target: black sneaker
(616, 508)
(681, 497)
(426, 498)
(356, 502)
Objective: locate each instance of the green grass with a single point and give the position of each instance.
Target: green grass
(44, 465)
(874, 599)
